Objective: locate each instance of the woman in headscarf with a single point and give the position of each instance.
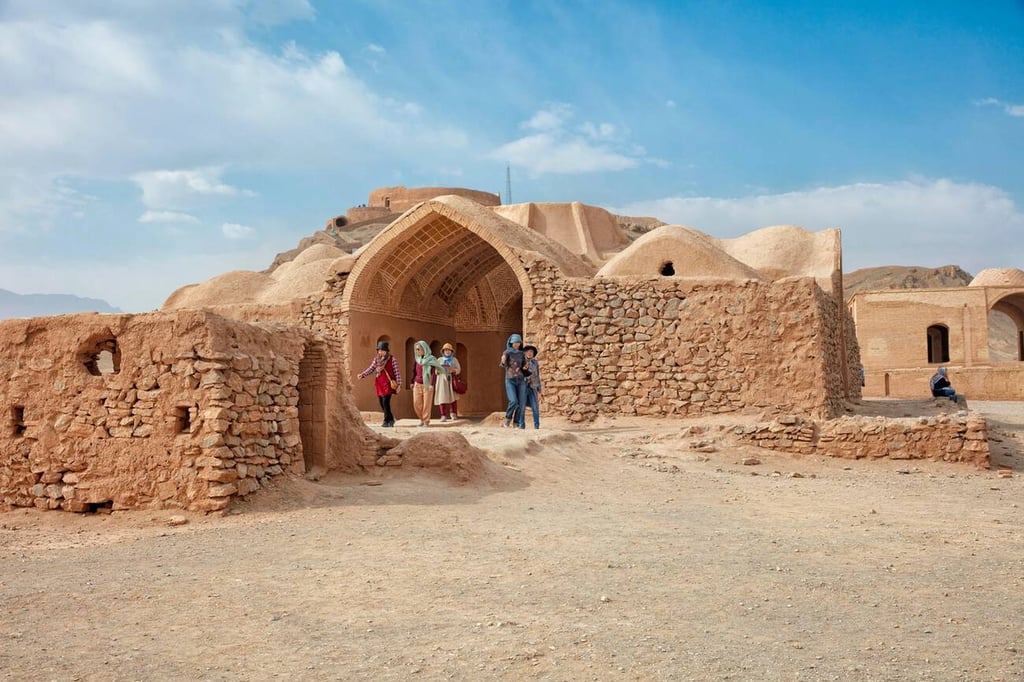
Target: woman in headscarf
(388, 379)
(445, 396)
(425, 369)
(941, 387)
(513, 360)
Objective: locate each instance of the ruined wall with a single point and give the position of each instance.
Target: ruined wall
(199, 409)
(400, 199)
(668, 346)
(950, 438)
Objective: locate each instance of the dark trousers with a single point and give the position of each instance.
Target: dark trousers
(385, 404)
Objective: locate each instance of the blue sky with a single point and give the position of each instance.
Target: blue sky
(148, 145)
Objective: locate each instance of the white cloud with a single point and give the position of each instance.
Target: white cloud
(554, 149)
(923, 222)
(1016, 110)
(177, 188)
(670, 104)
(167, 217)
(115, 93)
(237, 231)
(552, 118)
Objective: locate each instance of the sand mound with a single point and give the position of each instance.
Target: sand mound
(446, 453)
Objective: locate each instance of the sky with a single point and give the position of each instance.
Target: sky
(146, 145)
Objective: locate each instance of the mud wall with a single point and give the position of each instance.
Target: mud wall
(189, 410)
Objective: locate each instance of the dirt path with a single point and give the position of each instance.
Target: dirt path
(596, 554)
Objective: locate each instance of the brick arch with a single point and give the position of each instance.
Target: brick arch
(430, 262)
(1011, 305)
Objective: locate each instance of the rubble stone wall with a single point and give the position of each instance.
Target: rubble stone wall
(951, 438)
(673, 346)
(199, 409)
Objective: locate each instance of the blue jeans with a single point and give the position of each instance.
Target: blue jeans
(534, 404)
(515, 389)
(947, 392)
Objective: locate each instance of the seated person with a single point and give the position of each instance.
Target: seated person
(941, 386)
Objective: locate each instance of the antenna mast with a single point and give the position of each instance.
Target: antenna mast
(508, 184)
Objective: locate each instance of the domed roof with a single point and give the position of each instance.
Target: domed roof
(998, 277)
(690, 252)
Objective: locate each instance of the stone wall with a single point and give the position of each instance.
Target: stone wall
(671, 346)
(947, 437)
(189, 410)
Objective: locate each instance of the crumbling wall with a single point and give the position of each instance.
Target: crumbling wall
(946, 437)
(668, 346)
(198, 409)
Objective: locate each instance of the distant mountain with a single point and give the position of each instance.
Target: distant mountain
(904, 277)
(39, 305)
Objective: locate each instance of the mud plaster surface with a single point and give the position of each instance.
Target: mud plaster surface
(615, 552)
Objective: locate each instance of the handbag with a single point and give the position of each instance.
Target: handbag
(394, 385)
(458, 385)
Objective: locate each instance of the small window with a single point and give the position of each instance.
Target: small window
(667, 270)
(938, 344)
(387, 202)
(182, 419)
(102, 357)
(17, 421)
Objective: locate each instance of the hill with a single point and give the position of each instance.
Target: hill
(41, 305)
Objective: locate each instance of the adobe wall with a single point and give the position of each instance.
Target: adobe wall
(358, 214)
(671, 346)
(892, 326)
(400, 199)
(1002, 381)
(950, 438)
(201, 409)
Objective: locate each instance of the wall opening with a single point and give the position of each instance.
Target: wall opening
(101, 356)
(938, 343)
(313, 405)
(18, 421)
(183, 419)
(667, 270)
(1003, 338)
(886, 384)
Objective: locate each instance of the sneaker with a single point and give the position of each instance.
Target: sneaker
(506, 424)
(443, 418)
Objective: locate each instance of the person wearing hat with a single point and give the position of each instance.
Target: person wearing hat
(387, 381)
(531, 370)
(445, 396)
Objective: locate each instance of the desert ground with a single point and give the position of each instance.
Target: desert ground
(629, 549)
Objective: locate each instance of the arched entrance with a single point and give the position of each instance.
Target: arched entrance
(1006, 329)
(438, 274)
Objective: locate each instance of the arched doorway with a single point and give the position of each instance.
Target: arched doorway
(1006, 329)
(438, 275)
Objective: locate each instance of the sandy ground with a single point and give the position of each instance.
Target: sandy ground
(614, 552)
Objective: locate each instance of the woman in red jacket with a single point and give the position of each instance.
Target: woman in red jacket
(388, 379)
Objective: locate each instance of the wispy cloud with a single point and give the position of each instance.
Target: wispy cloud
(167, 217)
(237, 231)
(554, 147)
(177, 188)
(914, 222)
(1016, 110)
